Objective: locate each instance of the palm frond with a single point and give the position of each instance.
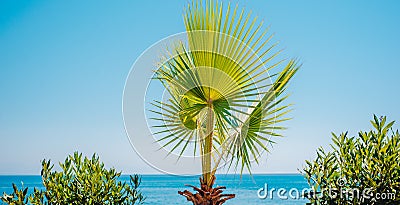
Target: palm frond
(262, 121)
(224, 66)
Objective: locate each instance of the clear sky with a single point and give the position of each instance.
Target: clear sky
(63, 66)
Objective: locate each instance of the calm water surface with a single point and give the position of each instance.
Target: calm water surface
(163, 189)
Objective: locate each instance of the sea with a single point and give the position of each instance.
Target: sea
(163, 189)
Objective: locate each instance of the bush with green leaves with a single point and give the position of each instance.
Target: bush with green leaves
(81, 181)
(18, 197)
(363, 169)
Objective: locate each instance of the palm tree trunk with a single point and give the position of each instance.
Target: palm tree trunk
(207, 157)
(206, 195)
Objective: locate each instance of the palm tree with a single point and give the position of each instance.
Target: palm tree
(222, 102)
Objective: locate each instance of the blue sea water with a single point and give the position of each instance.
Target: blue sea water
(163, 189)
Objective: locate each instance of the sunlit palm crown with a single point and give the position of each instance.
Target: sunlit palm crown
(225, 66)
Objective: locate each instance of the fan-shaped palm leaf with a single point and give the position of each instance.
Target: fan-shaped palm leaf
(222, 97)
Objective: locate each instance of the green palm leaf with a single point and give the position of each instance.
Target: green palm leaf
(221, 96)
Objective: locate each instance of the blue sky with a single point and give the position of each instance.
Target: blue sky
(63, 66)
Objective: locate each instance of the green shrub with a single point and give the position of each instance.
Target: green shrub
(81, 181)
(18, 197)
(359, 170)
